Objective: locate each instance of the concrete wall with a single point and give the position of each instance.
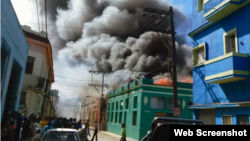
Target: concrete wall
(197, 19)
(149, 114)
(229, 92)
(40, 66)
(220, 112)
(12, 33)
(234, 112)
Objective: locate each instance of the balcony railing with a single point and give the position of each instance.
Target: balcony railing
(33, 81)
(216, 10)
(227, 68)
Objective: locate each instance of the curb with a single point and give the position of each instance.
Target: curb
(111, 134)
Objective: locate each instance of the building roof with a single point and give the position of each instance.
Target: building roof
(146, 82)
(36, 36)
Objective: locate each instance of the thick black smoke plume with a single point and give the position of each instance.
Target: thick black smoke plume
(107, 35)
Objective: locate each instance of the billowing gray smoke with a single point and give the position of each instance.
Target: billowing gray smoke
(107, 36)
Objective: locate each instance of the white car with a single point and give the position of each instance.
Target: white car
(61, 134)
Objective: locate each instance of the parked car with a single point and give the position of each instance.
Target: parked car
(160, 127)
(61, 134)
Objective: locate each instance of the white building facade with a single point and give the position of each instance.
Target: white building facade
(38, 75)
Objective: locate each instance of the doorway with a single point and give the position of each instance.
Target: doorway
(12, 92)
(207, 115)
(4, 59)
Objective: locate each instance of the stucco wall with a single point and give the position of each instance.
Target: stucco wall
(145, 114)
(12, 33)
(234, 112)
(213, 36)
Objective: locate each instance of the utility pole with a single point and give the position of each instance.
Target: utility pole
(165, 31)
(100, 107)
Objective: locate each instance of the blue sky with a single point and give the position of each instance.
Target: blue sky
(186, 7)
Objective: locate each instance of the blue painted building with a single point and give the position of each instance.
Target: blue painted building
(14, 53)
(221, 40)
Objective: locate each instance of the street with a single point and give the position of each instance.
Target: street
(105, 136)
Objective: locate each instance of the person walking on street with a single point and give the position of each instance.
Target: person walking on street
(83, 134)
(49, 126)
(96, 130)
(87, 126)
(123, 133)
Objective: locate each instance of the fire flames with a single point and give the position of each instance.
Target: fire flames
(168, 82)
(187, 80)
(164, 81)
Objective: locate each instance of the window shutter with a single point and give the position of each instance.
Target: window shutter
(161, 103)
(153, 102)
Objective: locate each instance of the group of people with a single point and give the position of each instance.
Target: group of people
(16, 126)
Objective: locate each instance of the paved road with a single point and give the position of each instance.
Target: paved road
(104, 136)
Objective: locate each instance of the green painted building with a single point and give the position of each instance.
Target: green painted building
(138, 103)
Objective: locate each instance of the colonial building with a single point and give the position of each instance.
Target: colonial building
(221, 38)
(38, 76)
(14, 52)
(137, 104)
(91, 110)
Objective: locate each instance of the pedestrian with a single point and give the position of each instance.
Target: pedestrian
(57, 123)
(19, 126)
(87, 126)
(70, 122)
(96, 130)
(123, 133)
(45, 122)
(74, 126)
(6, 131)
(79, 126)
(49, 126)
(31, 128)
(25, 129)
(13, 119)
(65, 123)
(41, 121)
(83, 134)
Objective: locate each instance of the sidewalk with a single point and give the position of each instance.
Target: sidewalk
(107, 136)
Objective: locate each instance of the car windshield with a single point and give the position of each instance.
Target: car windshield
(60, 136)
